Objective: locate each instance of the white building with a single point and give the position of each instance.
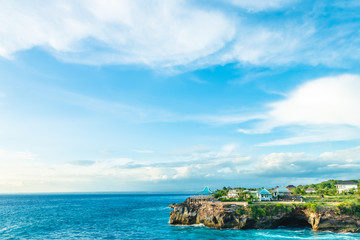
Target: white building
(233, 193)
(346, 186)
(310, 190)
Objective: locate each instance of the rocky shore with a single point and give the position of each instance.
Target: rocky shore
(264, 216)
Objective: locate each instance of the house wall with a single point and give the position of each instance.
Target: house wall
(233, 195)
(264, 197)
(342, 188)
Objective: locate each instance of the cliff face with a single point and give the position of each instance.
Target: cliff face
(221, 215)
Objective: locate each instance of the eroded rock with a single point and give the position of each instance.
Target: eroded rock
(221, 215)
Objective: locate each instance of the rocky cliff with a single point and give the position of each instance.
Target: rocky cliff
(266, 216)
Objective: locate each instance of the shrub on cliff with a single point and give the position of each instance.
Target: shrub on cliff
(312, 207)
(257, 211)
(240, 211)
(351, 207)
(281, 208)
(220, 193)
(227, 199)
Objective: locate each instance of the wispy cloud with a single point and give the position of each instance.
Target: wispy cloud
(6, 155)
(143, 151)
(262, 5)
(316, 133)
(224, 119)
(215, 166)
(178, 33)
(122, 32)
(124, 111)
(143, 113)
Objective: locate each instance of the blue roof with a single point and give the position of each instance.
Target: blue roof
(206, 191)
(263, 191)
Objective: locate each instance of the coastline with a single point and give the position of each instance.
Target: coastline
(225, 215)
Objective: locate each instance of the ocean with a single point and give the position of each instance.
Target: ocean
(117, 216)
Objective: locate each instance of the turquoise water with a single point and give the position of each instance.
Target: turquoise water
(116, 216)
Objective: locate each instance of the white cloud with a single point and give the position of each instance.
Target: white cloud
(124, 32)
(181, 172)
(167, 34)
(6, 155)
(324, 109)
(329, 100)
(179, 33)
(281, 160)
(329, 165)
(229, 147)
(24, 173)
(347, 155)
(268, 46)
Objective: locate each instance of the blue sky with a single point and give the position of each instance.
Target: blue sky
(177, 95)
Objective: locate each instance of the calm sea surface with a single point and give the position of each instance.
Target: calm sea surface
(116, 216)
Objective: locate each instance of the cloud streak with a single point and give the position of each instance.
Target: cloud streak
(262, 5)
(178, 33)
(121, 32)
(215, 166)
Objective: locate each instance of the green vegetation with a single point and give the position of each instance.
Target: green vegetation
(330, 199)
(268, 209)
(228, 200)
(258, 211)
(240, 211)
(326, 188)
(220, 193)
(313, 207)
(349, 207)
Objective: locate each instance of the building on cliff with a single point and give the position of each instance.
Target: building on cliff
(310, 190)
(264, 195)
(345, 186)
(280, 193)
(233, 193)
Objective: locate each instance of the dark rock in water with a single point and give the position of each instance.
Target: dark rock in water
(265, 216)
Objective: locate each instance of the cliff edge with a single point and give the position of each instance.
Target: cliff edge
(264, 216)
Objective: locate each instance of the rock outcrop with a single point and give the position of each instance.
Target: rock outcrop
(223, 215)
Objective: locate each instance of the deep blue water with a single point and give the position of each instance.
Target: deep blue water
(116, 216)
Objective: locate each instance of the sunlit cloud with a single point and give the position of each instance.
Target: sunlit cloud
(324, 109)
